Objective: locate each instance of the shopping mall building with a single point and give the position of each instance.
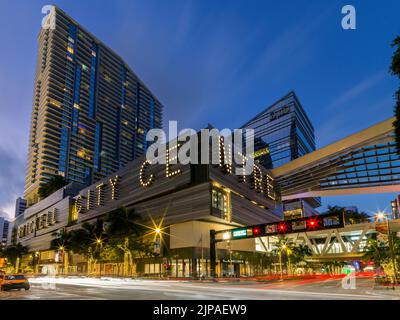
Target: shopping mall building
(189, 200)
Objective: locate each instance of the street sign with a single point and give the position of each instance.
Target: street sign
(157, 246)
(239, 233)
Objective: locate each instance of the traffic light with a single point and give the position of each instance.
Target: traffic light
(306, 224)
(256, 231)
(282, 227)
(313, 223)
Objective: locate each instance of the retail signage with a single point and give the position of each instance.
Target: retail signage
(279, 113)
(262, 152)
(38, 222)
(240, 261)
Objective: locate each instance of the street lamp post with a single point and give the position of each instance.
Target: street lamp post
(63, 257)
(99, 243)
(280, 260)
(231, 266)
(157, 231)
(36, 255)
(382, 215)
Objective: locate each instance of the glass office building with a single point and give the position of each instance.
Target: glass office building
(282, 132)
(90, 111)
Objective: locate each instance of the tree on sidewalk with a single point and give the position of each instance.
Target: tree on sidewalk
(127, 235)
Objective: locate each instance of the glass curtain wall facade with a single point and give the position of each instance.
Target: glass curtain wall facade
(90, 111)
(282, 132)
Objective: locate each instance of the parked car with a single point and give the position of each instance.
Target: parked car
(13, 281)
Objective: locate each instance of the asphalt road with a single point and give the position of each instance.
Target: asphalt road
(83, 288)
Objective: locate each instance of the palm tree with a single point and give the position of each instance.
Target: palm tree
(87, 241)
(379, 253)
(356, 217)
(62, 242)
(54, 184)
(14, 254)
(127, 234)
(333, 267)
(284, 246)
(300, 252)
(350, 217)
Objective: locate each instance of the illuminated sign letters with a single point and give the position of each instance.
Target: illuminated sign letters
(38, 222)
(145, 181)
(114, 187)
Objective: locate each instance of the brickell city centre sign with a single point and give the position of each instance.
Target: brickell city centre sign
(38, 222)
(146, 175)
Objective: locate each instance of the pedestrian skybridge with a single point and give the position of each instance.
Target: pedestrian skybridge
(347, 243)
(362, 163)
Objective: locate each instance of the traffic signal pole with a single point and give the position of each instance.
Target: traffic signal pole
(307, 224)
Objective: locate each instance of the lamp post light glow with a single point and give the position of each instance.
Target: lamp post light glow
(284, 247)
(99, 242)
(226, 236)
(380, 215)
(158, 237)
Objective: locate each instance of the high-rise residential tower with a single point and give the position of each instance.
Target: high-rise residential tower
(90, 112)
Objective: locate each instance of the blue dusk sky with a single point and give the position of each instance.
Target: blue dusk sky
(218, 62)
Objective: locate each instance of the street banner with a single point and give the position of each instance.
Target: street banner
(157, 245)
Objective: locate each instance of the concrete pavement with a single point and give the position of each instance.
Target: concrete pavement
(127, 289)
